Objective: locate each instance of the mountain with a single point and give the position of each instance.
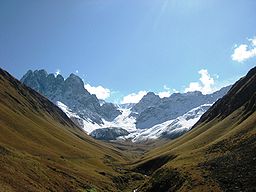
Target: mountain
(170, 129)
(89, 113)
(41, 149)
(152, 110)
(147, 101)
(71, 92)
(218, 154)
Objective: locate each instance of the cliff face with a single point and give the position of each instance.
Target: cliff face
(152, 110)
(72, 93)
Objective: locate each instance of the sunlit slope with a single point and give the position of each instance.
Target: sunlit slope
(217, 155)
(42, 150)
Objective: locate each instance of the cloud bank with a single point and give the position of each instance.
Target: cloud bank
(99, 91)
(133, 97)
(205, 83)
(244, 52)
(167, 92)
(136, 97)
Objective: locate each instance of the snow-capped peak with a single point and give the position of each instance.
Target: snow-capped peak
(171, 128)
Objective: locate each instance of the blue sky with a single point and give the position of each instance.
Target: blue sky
(122, 49)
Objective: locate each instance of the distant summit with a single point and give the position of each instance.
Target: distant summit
(148, 100)
(72, 93)
(162, 117)
(152, 110)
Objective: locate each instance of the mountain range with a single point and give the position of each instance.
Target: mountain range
(97, 116)
(152, 110)
(70, 91)
(42, 149)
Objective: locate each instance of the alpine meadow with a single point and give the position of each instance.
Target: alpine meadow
(127, 96)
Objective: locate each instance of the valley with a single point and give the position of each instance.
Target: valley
(205, 144)
(127, 96)
(43, 150)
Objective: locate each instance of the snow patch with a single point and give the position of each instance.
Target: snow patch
(88, 125)
(66, 109)
(171, 127)
(123, 121)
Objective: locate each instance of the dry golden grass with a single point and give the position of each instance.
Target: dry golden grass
(205, 143)
(42, 150)
(217, 154)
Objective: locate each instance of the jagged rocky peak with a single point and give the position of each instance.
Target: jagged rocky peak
(53, 86)
(174, 106)
(148, 100)
(72, 93)
(74, 85)
(28, 74)
(36, 79)
(74, 80)
(150, 96)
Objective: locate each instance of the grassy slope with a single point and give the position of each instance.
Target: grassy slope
(218, 154)
(42, 150)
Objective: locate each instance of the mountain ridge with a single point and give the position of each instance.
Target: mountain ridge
(216, 155)
(90, 113)
(72, 93)
(172, 107)
(244, 91)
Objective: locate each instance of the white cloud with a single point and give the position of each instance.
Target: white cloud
(193, 86)
(166, 87)
(205, 84)
(175, 91)
(136, 97)
(133, 97)
(166, 93)
(77, 71)
(57, 72)
(245, 51)
(99, 91)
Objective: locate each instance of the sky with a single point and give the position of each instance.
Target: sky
(124, 49)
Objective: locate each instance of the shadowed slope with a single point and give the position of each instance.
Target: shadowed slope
(218, 154)
(242, 94)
